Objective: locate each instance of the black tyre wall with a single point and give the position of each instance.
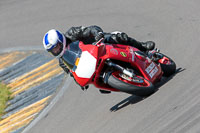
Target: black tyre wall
(129, 88)
(168, 69)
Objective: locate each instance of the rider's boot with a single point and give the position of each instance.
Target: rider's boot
(149, 45)
(143, 46)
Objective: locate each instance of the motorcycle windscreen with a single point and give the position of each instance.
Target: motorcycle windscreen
(72, 55)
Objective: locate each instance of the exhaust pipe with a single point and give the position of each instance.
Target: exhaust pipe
(118, 67)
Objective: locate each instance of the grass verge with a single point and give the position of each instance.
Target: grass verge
(4, 97)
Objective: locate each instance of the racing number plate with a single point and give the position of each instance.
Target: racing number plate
(151, 69)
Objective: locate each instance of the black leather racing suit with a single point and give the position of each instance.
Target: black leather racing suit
(91, 34)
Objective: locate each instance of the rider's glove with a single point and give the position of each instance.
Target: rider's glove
(66, 70)
(122, 37)
(99, 36)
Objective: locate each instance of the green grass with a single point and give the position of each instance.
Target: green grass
(4, 97)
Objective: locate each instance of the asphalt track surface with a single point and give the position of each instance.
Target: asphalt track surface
(173, 25)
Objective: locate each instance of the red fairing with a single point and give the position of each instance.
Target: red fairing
(81, 81)
(95, 57)
(117, 52)
(92, 49)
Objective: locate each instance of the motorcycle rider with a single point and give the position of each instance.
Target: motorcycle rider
(56, 42)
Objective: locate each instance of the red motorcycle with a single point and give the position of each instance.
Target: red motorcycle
(116, 67)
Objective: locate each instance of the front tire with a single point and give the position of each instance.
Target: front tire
(138, 86)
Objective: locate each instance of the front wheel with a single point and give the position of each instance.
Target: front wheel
(137, 85)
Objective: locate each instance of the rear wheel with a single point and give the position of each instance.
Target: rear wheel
(136, 85)
(168, 65)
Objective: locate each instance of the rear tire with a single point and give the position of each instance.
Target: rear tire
(128, 87)
(167, 68)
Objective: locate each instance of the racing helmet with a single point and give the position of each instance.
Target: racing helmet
(54, 42)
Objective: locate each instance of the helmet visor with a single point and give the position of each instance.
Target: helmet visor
(57, 49)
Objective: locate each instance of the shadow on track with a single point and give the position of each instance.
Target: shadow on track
(130, 100)
(135, 99)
